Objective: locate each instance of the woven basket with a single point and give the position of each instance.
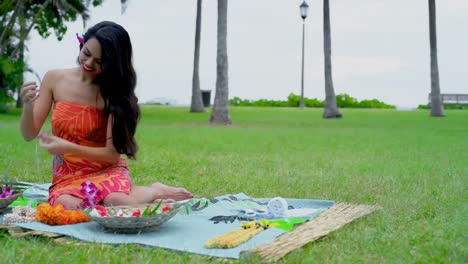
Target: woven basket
(5, 202)
(135, 224)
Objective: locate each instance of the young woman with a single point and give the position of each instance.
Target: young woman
(94, 118)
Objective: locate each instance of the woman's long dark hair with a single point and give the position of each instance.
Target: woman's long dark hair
(117, 83)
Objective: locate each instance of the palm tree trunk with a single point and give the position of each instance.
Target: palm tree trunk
(197, 104)
(10, 24)
(20, 48)
(437, 108)
(220, 112)
(5, 5)
(331, 109)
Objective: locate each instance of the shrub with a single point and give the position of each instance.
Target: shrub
(448, 107)
(342, 100)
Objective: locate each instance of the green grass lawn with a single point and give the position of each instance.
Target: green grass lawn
(414, 166)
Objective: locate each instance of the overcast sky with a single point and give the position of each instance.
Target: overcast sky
(380, 48)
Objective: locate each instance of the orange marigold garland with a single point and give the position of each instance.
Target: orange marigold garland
(57, 215)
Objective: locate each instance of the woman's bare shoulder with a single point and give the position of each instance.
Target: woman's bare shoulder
(60, 74)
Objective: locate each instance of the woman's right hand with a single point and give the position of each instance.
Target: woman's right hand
(29, 93)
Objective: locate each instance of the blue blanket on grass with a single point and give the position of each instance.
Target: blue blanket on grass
(200, 220)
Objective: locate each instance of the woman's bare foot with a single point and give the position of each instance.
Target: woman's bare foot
(168, 192)
(68, 201)
(164, 201)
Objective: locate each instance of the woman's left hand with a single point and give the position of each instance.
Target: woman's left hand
(55, 145)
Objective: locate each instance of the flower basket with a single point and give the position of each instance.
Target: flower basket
(5, 202)
(134, 224)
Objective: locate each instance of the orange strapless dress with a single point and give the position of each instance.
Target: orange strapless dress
(86, 126)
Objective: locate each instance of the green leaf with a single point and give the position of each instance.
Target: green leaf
(156, 208)
(147, 211)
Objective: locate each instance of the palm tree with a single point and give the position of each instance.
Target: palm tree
(6, 27)
(331, 109)
(197, 104)
(220, 112)
(437, 108)
(57, 7)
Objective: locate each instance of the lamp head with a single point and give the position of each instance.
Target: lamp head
(304, 7)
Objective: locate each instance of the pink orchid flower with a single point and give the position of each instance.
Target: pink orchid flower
(6, 192)
(80, 38)
(90, 192)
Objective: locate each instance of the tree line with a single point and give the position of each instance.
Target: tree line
(20, 17)
(293, 100)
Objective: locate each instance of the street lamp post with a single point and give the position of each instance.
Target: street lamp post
(304, 7)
